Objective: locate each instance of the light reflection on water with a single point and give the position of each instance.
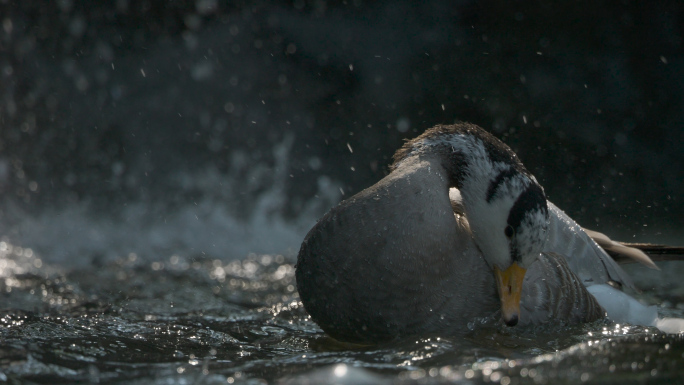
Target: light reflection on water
(207, 320)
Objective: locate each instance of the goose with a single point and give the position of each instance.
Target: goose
(457, 231)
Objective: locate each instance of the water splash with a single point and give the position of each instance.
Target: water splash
(213, 225)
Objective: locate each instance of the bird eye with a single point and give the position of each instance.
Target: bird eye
(509, 231)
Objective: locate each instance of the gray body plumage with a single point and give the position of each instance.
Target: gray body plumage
(407, 256)
(379, 266)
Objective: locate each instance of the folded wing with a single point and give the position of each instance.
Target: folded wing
(551, 291)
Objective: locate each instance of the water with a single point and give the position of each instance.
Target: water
(186, 320)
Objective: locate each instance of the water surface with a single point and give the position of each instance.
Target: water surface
(210, 320)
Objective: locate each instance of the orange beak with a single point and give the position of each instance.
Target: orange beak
(510, 287)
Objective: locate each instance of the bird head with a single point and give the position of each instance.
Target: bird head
(510, 227)
(504, 204)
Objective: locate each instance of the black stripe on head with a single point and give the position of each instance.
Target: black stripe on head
(500, 180)
(530, 200)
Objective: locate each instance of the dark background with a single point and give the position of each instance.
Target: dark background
(112, 102)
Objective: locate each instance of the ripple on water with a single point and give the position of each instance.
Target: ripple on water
(240, 321)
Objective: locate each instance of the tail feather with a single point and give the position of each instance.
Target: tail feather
(645, 253)
(659, 252)
(619, 251)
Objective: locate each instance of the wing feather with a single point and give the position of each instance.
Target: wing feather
(619, 251)
(553, 292)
